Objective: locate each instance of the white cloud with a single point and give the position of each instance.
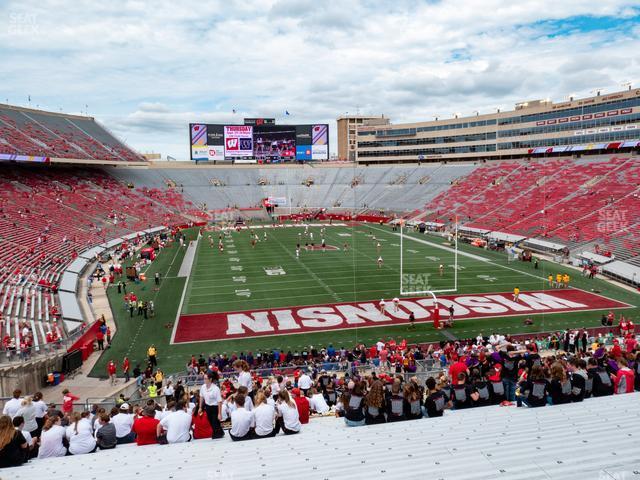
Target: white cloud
(147, 70)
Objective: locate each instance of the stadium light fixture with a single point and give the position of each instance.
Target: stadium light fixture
(626, 84)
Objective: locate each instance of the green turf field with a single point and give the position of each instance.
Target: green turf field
(219, 283)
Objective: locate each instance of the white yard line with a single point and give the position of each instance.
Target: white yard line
(184, 292)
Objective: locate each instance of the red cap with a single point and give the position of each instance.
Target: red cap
(295, 391)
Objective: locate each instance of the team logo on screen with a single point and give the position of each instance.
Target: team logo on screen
(246, 144)
(233, 144)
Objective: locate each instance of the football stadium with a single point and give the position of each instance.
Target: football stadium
(260, 283)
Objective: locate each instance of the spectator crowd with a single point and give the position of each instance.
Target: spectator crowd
(253, 397)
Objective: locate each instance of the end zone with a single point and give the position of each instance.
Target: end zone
(340, 316)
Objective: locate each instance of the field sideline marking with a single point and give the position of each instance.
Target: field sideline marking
(184, 292)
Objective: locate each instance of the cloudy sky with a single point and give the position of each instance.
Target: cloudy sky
(146, 69)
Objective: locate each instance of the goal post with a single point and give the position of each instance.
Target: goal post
(412, 284)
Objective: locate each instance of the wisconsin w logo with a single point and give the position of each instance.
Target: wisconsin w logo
(232, 143)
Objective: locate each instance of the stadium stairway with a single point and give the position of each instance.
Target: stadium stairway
(594, 439)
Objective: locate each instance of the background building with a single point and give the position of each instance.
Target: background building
(600, 124)
(347, 135)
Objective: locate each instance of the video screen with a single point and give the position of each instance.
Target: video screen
(259, 142)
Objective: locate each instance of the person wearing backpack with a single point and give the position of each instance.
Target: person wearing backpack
(496, 387)
(600, 379)
(436, 400)
(462, 394)
(578, 378)
(560, 386)
(395, 403)
(534, 390)
(481, 387)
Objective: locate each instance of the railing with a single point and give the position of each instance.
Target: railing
(43, 350)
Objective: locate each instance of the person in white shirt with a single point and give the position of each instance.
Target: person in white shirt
(264, 414)
(169, 409)
(177, 425)
(51, 439)
(242, 421)
(12, 406)
(80, 434)
(275, 386)
(41, 409)
(379, 345)
(288, 419)
(305, 383)
(28, 412)
(317, 403)
(168, 391)
(244, 376)
(211, 401)
(123, 421)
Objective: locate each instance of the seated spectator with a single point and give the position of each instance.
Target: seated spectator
(436, 400)
(177, 425)
(623, 380)
(412, 404)
(351, 405)
(288, 420)
(145, 427)
(105, 433)
(481, 387)
(242, 421)
(200, 424)
(560, 386)
(302, 404)
(80, 434)
(534, 390)
(123, 421)
(462, 394)
(395, 403)
(317, 403)
(14, 448)
(18, 423)
(264, 416)
(52, 438)
(578, 378)
(601, 384)
(496, 386)
(374, 404)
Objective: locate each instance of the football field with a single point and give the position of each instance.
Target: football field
(261, 296)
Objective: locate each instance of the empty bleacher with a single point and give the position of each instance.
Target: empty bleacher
(332, 186)
(39, 133)
(571, 201)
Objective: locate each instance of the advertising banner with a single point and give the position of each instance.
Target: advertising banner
(238, 141)
(319, 152)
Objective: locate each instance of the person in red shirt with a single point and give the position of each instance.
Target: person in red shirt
(302, 404)
(373, 351)
(436, 317)
(145, 427)
(623, 380)
(111, 370)
(630, 342)
(201, 425)
(100, 340)
(126, 367)
(457, 368)
(67, 401)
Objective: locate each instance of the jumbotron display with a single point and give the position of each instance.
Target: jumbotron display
(261, 142)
